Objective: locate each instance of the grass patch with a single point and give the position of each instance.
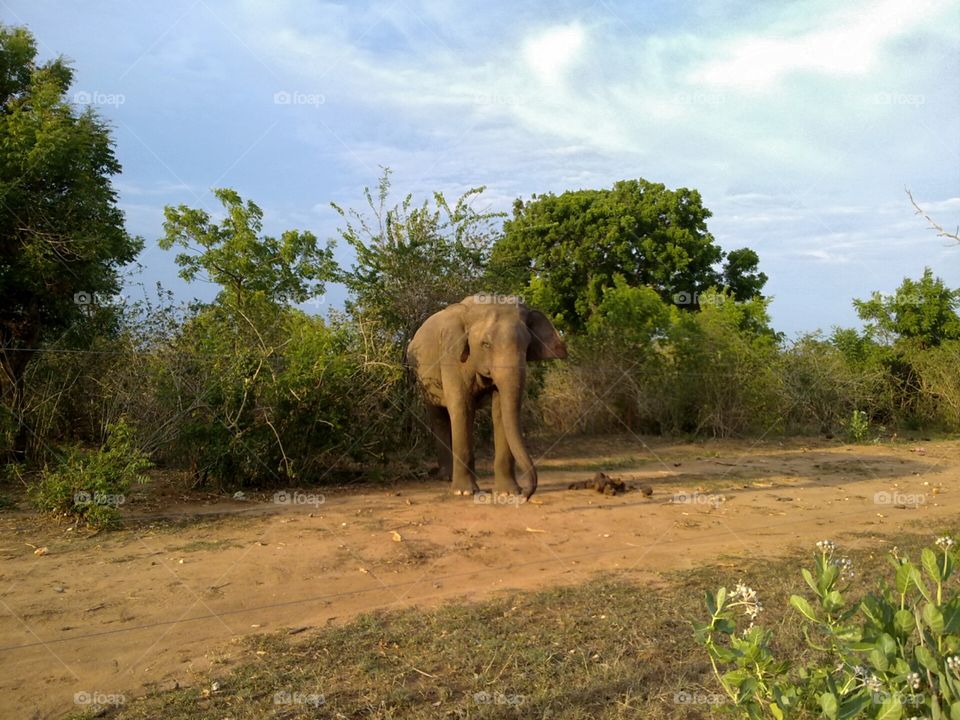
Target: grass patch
(608, 649)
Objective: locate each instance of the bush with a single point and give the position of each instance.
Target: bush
(938, 385)
(286, 397)
(723, 361)
(91, 485)
(892, 654)
(608, 384)
(821, 387)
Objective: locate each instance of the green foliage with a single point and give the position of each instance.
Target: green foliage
(563, 251)
(249, 267)
(821, 385)
(284, 398)
(414, 260)
(922, 312)
(63, 235)
(913, 336)
(858, 426)
(630, 317)
(938, 384)
(723, 367)
(892, 654)
(262, 393)
(91, 485)
(648, 366)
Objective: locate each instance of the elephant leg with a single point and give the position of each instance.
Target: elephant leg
(440, 428)
(461, 431)
(504, 466)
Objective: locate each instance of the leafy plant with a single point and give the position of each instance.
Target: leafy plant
(892, 654)
(91, 485)
(858, 427)
(64, 241)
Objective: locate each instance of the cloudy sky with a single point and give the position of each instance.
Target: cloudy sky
(801, 123)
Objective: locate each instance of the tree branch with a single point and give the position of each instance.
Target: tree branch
(955, 236)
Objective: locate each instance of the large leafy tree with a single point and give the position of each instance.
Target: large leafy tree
(563, 251)
(62, 236)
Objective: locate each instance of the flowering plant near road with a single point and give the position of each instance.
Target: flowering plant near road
(893, 654)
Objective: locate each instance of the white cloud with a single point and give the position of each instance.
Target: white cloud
(549, 54)
(848, 43)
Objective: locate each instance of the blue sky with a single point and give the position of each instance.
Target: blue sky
(800, 123)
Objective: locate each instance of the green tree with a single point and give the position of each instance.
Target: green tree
(922, 312)
(247, 265)
(413, 260)
(251, 415)
(62, 236)
(564, 250)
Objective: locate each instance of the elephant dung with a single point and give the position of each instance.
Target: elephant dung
(602, 483)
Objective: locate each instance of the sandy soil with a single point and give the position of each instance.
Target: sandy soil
(152, 605)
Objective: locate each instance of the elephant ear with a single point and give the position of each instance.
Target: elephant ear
(453, 339)
(545, 341)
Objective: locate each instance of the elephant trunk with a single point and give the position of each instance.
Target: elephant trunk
(510, 397)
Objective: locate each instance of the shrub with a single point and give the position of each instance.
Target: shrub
(857, 427)
(723, 369)
(91, 485)
(892, 654)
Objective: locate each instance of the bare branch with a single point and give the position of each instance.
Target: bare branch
(955, 236)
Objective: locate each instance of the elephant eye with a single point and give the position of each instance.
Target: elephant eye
(485, 343)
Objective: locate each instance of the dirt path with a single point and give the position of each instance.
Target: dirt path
(121, 612)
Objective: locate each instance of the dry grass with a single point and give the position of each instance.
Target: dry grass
(603, 650)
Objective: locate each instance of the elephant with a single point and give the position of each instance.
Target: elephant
(470, 350)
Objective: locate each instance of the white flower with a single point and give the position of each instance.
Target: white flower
(826, 547)
(746, 597)
(945, 543)
(913, 681)
(953, 663)
(873, 682)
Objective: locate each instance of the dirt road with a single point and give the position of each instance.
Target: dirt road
(117, 613)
